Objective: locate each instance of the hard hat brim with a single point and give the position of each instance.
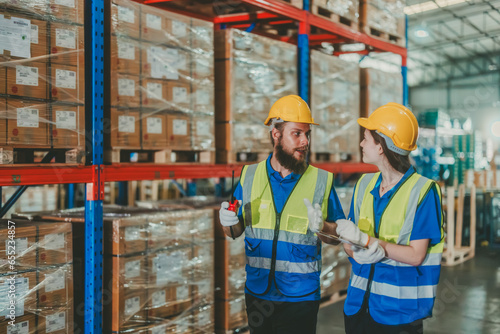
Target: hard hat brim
(365, 122)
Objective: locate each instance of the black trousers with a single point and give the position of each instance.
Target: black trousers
(363, 323)
(268, 317)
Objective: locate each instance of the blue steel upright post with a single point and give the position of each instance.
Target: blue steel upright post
(404, 68)
(94, 89)
(303, 57)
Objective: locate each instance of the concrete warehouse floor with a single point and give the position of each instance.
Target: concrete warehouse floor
(468, 300)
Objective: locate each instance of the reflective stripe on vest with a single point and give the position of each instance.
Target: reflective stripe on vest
(393, 291)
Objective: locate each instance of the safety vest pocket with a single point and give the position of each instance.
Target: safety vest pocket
(366, 225)
(252, 247)
(263, 218)
(296, 224)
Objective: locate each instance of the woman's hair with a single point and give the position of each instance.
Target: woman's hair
(399, 162)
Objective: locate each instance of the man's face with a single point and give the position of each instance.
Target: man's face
(292, 146)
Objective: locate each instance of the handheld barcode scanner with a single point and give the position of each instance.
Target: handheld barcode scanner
(232, 204)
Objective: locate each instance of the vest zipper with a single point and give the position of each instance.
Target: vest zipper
(275, 249)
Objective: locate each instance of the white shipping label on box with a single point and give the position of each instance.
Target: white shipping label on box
(154, 125)
(66, 38)
(202, 97)
(132, 233)
(54, 241)
(126, 14)
(132, 305)
(19, 328)
(55, 281)
(126, 50)
(153, 21)
(21, 245)
(66, 3)
(126, 124)
(21, 290)
(182, 292)
(65, 79)
(179, 29)
(203, 128)
(160, 330)
(180, 127)
(155, 90)
(27, 118)
(180, 94)
(159, 298)
(236, 307)
(26, 75)
(55, 322)
(126, 87)
(66, 119)
(15, 36)
(34, 34)
(132, 269)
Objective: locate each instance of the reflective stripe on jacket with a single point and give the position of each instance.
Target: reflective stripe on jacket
(397, 293)
(279, 246)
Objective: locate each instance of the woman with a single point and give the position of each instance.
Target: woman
(396, 214)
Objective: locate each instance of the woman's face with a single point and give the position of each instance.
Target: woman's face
(372, 152)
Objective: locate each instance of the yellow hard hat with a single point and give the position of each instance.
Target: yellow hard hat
(290, 108)
(395, 122)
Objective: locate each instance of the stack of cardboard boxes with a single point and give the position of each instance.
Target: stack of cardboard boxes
(379, 88)
(162, 94)
(43, 285)
(335, 107)
(42, 66)
(251, 72)
(383, 18)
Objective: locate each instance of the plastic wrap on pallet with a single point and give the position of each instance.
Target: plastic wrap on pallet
(384, 15)
(35, 198)
(162, 80)
(253, 72)
(42, 92)
(348, 9)
(36, 273)
(379, 88)
(335, 106)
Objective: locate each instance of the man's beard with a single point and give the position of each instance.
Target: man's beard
(288, 161)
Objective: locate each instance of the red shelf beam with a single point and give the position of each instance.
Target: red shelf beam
(53, 174)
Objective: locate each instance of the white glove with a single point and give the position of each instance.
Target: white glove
(227, 218)
(373, 254)
(346, 229)
(315, 216)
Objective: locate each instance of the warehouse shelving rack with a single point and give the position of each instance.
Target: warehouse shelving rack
(94, 174)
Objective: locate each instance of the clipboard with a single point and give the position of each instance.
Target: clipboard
(345, 241)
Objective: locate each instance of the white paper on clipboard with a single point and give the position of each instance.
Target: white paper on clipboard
(345, 241)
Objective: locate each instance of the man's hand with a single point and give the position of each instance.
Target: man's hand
(373, 254)
(227, 218)
(348, 230)
(315, 216)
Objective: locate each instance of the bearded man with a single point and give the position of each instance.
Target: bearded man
(284, 202)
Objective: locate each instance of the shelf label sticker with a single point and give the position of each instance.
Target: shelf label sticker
(66, 120)
(27, 118)
(179, 127)
(15, 36)
(19, 328)
(159, 298)
(132, 269)
(153, 21)
(126, 87)
(66, 38)
(66, 3)
(54, 241)
(132, 305)
(26, 75)
(126, 14)
(154, 125)
(180, 94)
(65, 79)
(126, 50)
(55, 281)
(154, 90)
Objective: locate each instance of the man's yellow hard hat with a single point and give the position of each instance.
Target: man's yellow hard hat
(397, 123)
(290, 108)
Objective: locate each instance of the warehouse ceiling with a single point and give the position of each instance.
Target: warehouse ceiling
(452, 39)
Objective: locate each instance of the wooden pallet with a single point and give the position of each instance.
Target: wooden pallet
(390, 37)
(452, 257)
(329, 15)
(333, 298)
(167, 156)
(230, 157)
(295, 3)
(24, 155)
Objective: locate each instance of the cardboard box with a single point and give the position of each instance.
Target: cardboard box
(68, 126)
(25, 247)
(125, 90)
(203, 319)
(125, 55)
(67, 44)
(163, 62)
(125, 18)
(125, 235)
(230, 314)
(67, 83)
(55, 244)
(179, 132)
(167, 267)
(154, 130)
(165, 27)
(27, 123)
(203, 132)
(126, 311)
(58, 321)
(28, 79)
(156, 94)
(69, 10)
(169, 230)
(25, 294)
(179, 95)
(55, 288)
(168, 301)
(19, 48)
(125, 129)
(25, 324)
